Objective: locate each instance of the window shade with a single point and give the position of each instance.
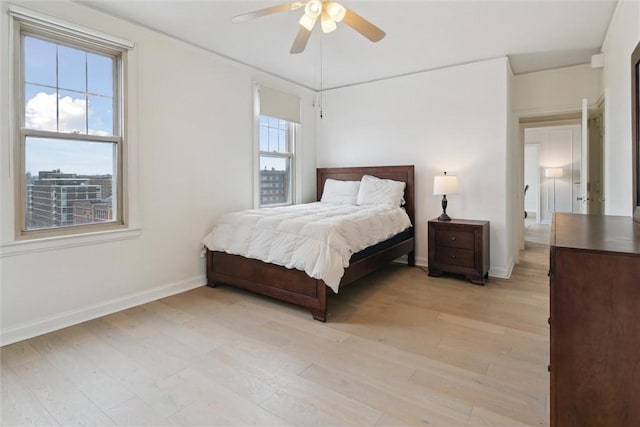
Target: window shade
(278, 104)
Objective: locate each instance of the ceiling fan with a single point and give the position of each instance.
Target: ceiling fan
(329, 12)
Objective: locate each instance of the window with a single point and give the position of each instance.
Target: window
(70, 90)
(276, 157)
(278, 123)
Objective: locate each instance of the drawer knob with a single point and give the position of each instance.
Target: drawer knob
(453, 257)
(453, 238)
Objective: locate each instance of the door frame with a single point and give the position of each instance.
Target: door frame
(584, 196)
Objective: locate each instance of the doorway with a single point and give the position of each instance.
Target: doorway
(552, 170)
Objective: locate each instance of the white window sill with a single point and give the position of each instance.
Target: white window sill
(21, 247)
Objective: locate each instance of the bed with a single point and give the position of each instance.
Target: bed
(295, 286)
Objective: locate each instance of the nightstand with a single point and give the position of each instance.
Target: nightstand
(459, 246)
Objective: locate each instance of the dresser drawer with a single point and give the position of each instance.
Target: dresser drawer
(455, 239)
(455, 257)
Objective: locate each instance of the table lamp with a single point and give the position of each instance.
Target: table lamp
(443, 185)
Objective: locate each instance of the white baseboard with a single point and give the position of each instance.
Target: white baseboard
(79, 315)
(502, 272)
(421, 262)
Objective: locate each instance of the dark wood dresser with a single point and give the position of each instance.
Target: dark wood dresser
(595, 321)
(459, 246)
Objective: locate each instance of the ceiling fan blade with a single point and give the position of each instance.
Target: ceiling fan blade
(301, 40)
(267, 11)
(363, 26)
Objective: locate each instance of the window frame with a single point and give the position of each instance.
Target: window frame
(290, 155)
(90, 43)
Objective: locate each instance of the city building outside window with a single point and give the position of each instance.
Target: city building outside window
(276, 146)
(70, 96)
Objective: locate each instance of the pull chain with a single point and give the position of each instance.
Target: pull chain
(321, 66)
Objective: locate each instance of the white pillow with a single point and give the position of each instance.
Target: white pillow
(340, 192)
(376, 191)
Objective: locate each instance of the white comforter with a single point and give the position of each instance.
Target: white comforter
(317, 238)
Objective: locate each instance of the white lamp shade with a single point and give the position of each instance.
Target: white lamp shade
(445, 184)
(553, 172)
(308, 21)
(335, 10)
(313, 8)
(328, 24)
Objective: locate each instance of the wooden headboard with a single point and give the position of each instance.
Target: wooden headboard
(396, 173)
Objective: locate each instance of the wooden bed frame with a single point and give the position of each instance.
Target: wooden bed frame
(295, 286)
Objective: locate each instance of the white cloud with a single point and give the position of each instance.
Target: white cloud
(40, 114)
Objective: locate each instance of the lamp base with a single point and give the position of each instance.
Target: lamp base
(444, 217)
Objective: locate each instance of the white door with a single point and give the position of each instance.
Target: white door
(596, 161)
(583, 195)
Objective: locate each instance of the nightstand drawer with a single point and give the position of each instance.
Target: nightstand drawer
(455, 239)
(455, 257)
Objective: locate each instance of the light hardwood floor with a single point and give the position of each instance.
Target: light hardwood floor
(400, 348)
(536, 233)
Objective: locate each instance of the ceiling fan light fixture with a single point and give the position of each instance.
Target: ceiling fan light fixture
(328, 24)
(308, 21)
(335, 10)
(330, 13)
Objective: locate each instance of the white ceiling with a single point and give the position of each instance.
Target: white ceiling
(421, 35)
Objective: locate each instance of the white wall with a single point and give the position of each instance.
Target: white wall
(194, 129)
(621, 39)
(555, 91)
(453, 120)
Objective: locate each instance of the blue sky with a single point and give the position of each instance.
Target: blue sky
(68, 90)
(81, 157)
